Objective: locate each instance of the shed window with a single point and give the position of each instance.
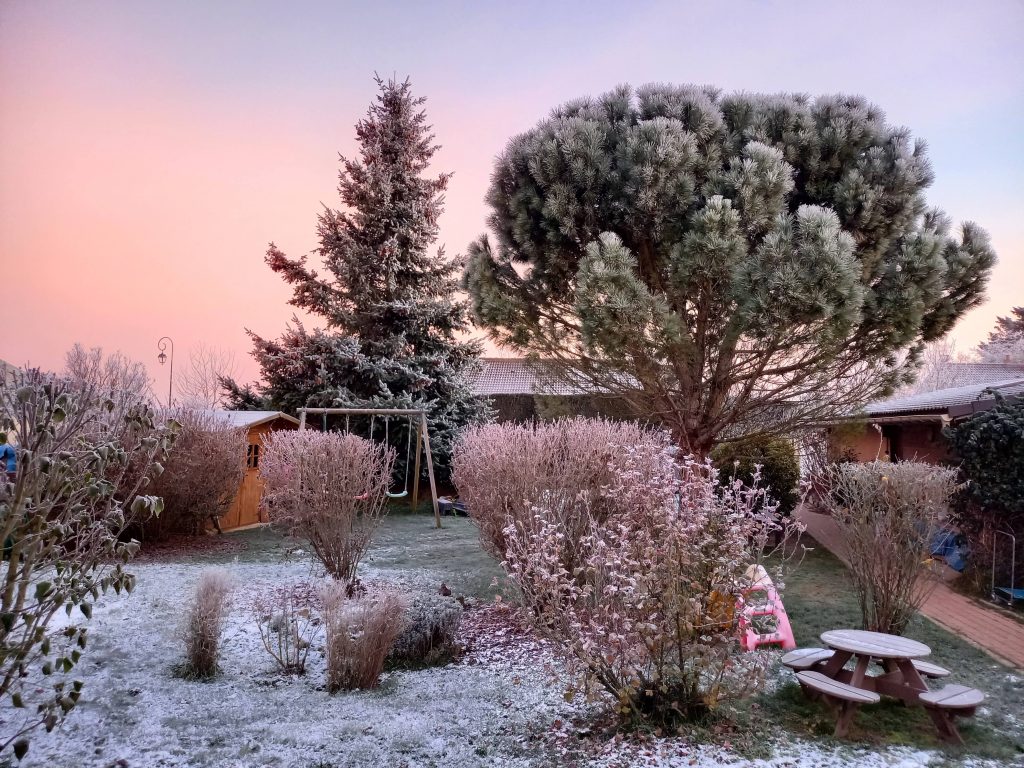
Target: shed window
(252, 456)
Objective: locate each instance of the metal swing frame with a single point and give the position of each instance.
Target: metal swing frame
(1010, 593)
(422, 443)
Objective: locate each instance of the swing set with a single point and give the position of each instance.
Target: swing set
(417, 419)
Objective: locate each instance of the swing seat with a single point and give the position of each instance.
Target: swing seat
(400, 495)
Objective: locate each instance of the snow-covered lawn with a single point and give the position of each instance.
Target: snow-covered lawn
(501, 704)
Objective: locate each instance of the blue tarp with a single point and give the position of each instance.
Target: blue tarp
(951, 547)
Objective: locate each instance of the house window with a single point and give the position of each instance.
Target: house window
(252, 456)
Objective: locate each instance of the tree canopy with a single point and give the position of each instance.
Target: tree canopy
(990, 446)
(386, 300)
(1006, 341)
(727, 263)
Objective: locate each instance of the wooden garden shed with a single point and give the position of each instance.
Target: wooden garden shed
(246, 508)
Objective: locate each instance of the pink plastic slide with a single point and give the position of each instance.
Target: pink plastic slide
(763, 617)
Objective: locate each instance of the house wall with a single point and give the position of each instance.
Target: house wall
(858, 442)
(919, 441)
(245, 510)
(907, 441)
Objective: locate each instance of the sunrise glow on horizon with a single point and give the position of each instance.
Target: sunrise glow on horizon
(150, 151)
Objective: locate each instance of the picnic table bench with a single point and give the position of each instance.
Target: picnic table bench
(951, 702)
(822, 674)
(841, 697)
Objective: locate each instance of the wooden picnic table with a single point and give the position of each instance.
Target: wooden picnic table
(823, 674)
(901, 680)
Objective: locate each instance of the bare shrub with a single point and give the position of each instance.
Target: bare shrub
(204, 623)
(627, 569)
(888, 514)
(360, 633)
(201, 475)
(501, 469)
(328, 488)
(286, 625)
(86, 443)
(432, 623)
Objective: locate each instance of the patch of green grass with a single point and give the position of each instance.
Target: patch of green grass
(452, 553)
(819, 597)
(403, 542)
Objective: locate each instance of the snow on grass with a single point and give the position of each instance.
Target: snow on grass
(500, 705)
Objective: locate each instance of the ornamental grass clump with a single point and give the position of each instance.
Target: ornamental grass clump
(328, 488)
(888, 515)
(360, 633)
(659, 551)
(204, 624)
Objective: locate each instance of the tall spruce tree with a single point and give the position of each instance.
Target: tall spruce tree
(728, 264)
(392, 324)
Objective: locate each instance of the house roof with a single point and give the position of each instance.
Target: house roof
(965, 374)
(518, 376)
(942, 400)
(252, 418)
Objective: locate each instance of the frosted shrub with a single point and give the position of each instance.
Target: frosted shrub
(286, 626)
(432, 622)
(204, 623)
(888, 514)
(641, 614)
(201, 476)
(328, 488)
(500, 469)
(86, 444)
(360, 633)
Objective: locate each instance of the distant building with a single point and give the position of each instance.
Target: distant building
(910, 427)
(528, 390)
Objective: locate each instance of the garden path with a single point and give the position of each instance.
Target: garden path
(988, 628)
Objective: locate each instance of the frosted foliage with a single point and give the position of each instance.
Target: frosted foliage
(86, 444)
(501, 469)
(730, 262)
(391, 328)
(634, 568)
(329, 489)
(888, 515)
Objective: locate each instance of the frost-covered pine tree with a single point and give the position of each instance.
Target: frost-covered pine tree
(1006, 343)
(387, 299)
(729, 264)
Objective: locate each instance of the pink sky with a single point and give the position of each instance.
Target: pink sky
(149, 151)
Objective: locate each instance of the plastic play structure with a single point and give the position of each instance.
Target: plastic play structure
(1010, 592)
(763, 618)
(417, 420)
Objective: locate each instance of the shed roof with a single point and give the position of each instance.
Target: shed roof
(252, 418)
(941, 400)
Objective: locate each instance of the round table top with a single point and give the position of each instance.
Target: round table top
(875, 644)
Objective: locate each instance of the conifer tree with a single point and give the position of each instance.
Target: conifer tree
(728, 264)
(391, 322)
(1006, 342)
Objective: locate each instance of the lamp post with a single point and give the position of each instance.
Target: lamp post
(162, 357)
